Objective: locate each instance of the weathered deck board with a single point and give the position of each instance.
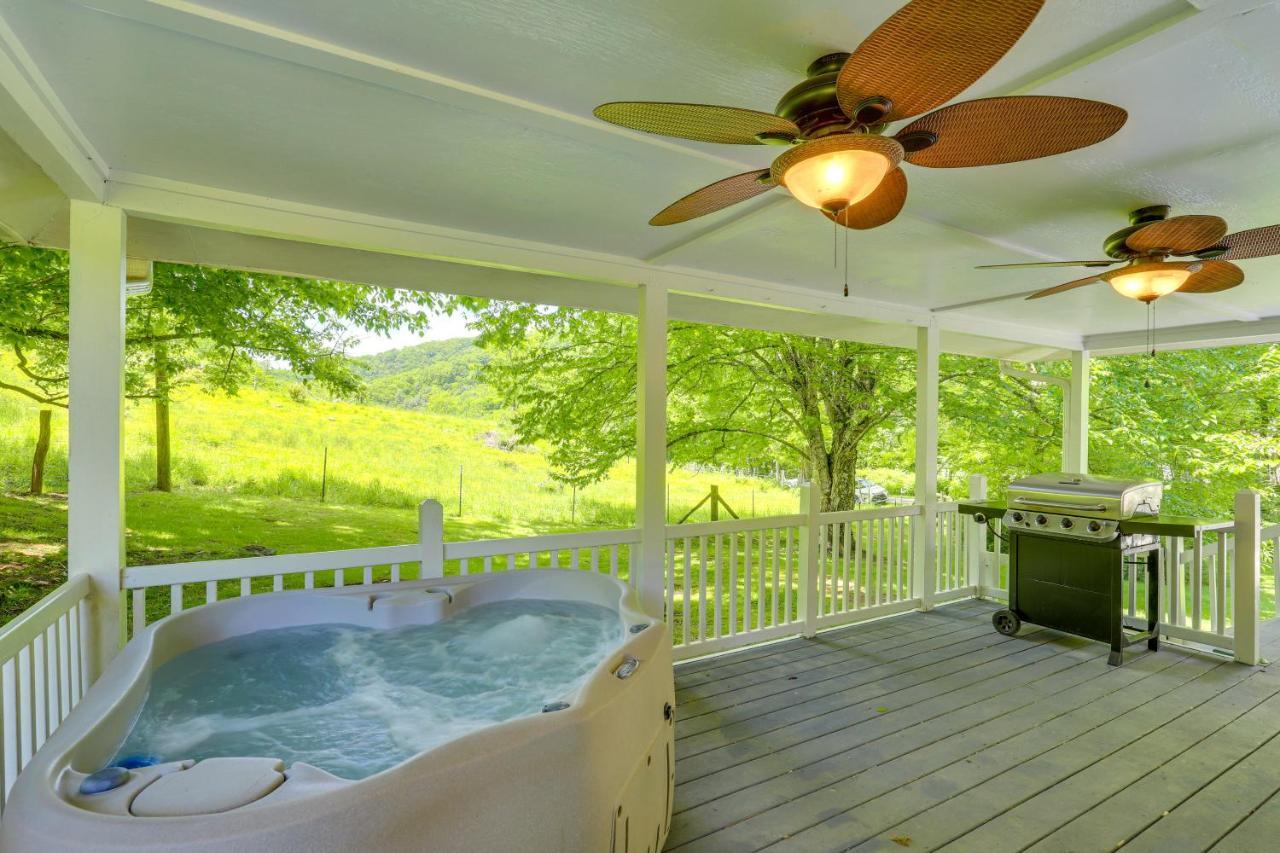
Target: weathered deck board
(939, 733)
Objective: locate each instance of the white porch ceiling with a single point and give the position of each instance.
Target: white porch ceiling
(462, 130)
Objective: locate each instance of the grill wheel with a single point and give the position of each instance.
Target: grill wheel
(1006, 622)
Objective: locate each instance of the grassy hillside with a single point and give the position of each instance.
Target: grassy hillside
(436, 376)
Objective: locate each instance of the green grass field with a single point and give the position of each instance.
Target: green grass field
(248, 479)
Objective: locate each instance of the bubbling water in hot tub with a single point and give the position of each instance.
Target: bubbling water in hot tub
(355, 701)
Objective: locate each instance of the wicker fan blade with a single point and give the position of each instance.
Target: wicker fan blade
(1213, 277)
(702, 122)
(1180, 235)
(1063, 288)
(1047, 264)
(1254, 243)
(880, 207)
(1005, 130)
(714, 197)
(929, 51)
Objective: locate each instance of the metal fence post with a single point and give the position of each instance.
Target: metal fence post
(809, 533)
(431, 538)
(1247, 569)
(975, 540)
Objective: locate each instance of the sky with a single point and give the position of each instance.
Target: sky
(442, 326)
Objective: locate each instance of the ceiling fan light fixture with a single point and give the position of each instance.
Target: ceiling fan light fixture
(836, 172)
(1148, 282)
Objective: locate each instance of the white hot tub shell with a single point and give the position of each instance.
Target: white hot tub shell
(595, 776)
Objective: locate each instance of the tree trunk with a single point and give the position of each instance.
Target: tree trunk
(164, 465)
(42, 453)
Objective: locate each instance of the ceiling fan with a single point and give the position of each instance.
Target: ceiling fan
(834, 123)
(1151, 238)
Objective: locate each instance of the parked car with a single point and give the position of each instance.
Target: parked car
(869, 492)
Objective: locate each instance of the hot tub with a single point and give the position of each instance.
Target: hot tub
(501, 768)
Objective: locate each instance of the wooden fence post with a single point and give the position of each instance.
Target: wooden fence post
(1247, 568)
(431, 537)
(975, 540)
(809, 532)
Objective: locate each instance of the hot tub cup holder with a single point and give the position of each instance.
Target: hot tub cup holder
(638, 627)
(104, 780)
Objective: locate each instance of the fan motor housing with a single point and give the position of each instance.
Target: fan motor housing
(1115, 245)
(812, 103)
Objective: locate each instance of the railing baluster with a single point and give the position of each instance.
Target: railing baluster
(139, 610)
(595, 559)
(368, 575)
(175, 598)
(64, 632)
(613, 562)
(733, 584)
(791, 572)
(246, 586)
(719, 597)
(210, 592)
(39, 691)
(277, 583)
(1220, 573)
(1197, 579)
(339, 579)
(684, 592)
(395, 572)
(773, 598)
(670, 553)
(704, 612)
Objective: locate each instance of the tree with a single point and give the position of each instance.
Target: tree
(1201, 421)
(198, 324)
(734, 395)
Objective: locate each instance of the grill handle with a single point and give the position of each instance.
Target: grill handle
(1060, 504)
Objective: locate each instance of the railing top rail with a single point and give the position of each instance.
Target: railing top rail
(200, 571)
(736, 525)
(527, 544)
(35, 620)
(895, 511)
(1270, 531)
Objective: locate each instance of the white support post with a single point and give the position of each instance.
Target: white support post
(431, 538)
(651, 448)
(808, 556)
(1248, 561)
(95, 511)
(976, 540)
(925, 544)
(1075, 420)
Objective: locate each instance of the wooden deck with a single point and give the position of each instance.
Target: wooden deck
(930, 731)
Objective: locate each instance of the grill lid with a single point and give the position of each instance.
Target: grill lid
(1101, 497)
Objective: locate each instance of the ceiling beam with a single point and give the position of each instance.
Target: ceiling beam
(741, 218)
(173, 201)
(31, 113)
(1198, 336)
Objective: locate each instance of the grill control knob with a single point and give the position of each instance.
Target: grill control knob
(1017, 518)
(1066, 524)
(1095, 526)
(1041, 520)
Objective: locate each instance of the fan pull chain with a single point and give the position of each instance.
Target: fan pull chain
(835, 244)
(846, 262)
(1151, 341)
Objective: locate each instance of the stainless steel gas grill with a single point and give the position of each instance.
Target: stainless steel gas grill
(1070, 538)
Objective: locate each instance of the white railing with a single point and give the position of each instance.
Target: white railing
(864, 562)
(730, 583)
(606, 551)
(734, 583)
(154, 591)
(43, 674)
(952, 577)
